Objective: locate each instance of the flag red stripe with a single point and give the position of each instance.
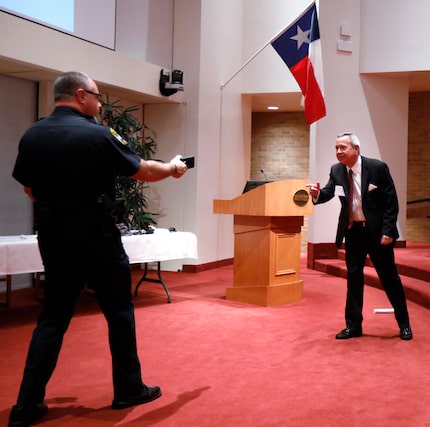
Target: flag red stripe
(304, 74)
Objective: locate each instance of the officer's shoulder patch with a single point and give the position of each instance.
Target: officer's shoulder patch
(118, 136)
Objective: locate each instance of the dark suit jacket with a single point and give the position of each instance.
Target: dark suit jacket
(379, 198)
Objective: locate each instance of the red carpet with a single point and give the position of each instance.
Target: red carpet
(229, 364)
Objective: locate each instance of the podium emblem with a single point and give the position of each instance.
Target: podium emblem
(301, 197)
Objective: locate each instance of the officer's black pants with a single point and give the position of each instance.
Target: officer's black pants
(73, 258)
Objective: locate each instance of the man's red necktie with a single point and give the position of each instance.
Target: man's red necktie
(350, 199)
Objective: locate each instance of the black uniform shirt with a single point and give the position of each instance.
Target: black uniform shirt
(65, 159)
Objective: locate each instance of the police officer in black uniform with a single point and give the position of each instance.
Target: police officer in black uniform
(67, 165)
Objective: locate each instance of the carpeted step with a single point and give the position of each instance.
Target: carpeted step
(416, 290)
(409, 262)
(414, 261)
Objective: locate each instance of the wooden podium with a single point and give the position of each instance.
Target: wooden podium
(267, 242)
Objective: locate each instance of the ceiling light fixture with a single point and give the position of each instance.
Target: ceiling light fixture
(273, 107)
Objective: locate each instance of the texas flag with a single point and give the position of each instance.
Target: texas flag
(299, 46)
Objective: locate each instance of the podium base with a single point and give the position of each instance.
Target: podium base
(267, 295)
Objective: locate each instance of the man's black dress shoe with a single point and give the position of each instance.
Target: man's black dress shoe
(25, 415)
(148, 395)
(346, 333)
(406, 334)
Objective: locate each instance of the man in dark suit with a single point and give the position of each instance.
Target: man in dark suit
(367, 221)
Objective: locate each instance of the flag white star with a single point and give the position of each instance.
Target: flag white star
(301, 37)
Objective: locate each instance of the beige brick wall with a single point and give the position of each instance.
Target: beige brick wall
(419, 146)
(418, 186)
(279, 146)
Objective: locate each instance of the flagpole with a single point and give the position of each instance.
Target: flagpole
(223, 85)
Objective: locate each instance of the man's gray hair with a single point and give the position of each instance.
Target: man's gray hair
(352, 137)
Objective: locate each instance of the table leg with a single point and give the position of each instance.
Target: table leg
(160, 280)
(37, 278)
(8, 280)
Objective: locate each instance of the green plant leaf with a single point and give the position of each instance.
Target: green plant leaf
(130, 198)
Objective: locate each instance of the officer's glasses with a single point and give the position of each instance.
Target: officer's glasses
(97, 95)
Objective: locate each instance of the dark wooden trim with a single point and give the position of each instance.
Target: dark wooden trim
(188, 268)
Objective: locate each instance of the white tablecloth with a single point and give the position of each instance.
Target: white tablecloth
(20, 254)
(163, 245)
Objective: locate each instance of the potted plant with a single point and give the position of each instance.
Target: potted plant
(130, 198)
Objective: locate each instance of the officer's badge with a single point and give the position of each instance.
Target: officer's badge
(118, 137)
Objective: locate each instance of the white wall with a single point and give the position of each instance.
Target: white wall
(222, 130)
(262, 21)
(19, 98)
(177, 127)
(396, 35)
(144, 30)
(212, 124)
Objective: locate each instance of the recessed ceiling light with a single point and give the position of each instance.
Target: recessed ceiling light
(273, 107)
